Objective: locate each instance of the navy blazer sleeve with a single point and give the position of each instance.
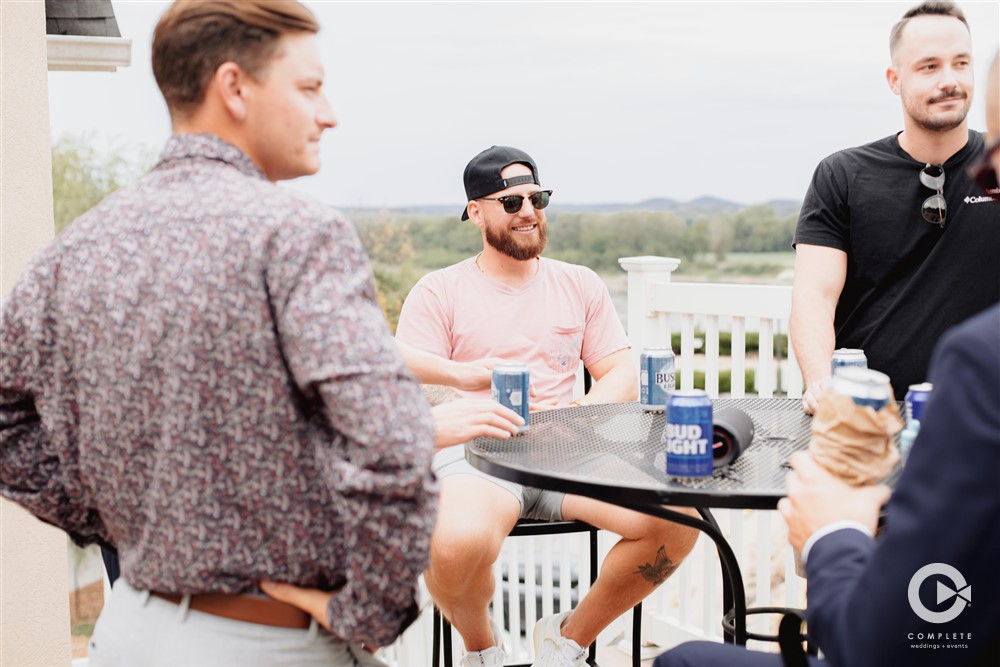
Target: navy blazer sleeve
(945, 509)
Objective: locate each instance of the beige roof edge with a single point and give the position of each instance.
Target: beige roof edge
(88, 54)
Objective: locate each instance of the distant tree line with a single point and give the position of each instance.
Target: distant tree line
(596, 240)
(404, 247)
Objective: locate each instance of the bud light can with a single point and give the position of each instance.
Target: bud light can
(687, 433)
(845, 357)
(916, 399)
(864, 386)
(656, 377)
(510, 388)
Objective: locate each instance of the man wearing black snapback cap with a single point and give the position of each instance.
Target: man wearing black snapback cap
(510, 302)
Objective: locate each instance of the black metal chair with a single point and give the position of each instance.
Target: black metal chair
(791, 634)
(523, 528)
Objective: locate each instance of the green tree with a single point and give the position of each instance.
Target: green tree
(83, 175)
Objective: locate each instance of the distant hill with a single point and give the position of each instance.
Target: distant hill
(689, 210)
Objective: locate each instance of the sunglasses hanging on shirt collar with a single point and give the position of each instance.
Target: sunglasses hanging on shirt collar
(934, 208)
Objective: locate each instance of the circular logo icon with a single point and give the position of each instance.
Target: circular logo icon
(960, 590)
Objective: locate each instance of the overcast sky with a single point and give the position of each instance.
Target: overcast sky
(617, 102)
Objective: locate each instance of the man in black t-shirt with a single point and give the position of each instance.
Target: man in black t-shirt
(895, 243)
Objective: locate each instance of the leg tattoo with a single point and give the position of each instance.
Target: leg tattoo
(658, 572)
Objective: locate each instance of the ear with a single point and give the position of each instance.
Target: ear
(892, 78)
(229, 85)
(475, 214)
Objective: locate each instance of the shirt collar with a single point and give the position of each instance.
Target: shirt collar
(210, 147)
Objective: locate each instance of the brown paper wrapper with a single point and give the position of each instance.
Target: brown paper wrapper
(854, 442)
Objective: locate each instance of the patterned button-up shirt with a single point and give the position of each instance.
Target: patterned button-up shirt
(198, 372)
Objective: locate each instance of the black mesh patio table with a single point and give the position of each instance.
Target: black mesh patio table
(613, 452)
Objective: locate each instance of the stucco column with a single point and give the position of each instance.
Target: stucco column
(34, 597)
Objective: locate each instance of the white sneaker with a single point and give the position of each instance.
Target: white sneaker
(493, 656)
(488, 657)
(554, 650)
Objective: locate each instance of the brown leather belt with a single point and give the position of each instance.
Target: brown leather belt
(246, 608)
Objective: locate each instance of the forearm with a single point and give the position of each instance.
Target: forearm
(429, 368)
(618, 385)
(379, 476)
(812, 332)
(820, 274)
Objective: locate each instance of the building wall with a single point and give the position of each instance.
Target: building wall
(34, 606)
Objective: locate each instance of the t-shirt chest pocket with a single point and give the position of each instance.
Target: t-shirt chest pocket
(564, 347)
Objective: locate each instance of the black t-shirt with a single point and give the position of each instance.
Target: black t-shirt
(908, 280)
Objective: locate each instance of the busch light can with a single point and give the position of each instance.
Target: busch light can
(916, 399)
(687, 433)
(864, 386)
(656, 377)
(845, 357)
(509, 388)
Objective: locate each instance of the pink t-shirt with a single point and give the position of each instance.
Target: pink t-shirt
(561, 316)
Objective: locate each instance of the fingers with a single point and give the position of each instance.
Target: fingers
(880, 494)
(801, 461)
(310, 600)
(785, 508)
(809, 403)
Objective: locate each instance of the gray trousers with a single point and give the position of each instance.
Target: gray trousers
(139, 630)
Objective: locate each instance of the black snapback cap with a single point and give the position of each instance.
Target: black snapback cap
(482, 174)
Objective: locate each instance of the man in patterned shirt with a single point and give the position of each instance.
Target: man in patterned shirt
(198, 373)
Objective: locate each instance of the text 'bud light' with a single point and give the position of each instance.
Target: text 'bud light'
(656, 377)
(510, 387)
(687, 433)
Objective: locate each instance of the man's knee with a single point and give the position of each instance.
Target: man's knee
(676, 538)
(461, 548)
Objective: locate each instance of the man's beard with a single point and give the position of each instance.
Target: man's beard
(505, 242)
(944, 121)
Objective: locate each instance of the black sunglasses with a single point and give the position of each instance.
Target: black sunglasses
(513, 203)
(983, 172)
(935, 208)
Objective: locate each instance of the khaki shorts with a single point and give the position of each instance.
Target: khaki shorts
(536, 504)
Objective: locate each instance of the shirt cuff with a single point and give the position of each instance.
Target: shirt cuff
(831, 528)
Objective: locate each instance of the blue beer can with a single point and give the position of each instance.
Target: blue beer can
(687, 433)
(510, 388)
(916, 399)
(845, 357)
(864, 386)
(656, 377)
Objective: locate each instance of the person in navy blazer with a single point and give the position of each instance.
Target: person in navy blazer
(945, 510)
(906, 599)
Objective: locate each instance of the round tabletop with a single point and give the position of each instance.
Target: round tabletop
(614, 452)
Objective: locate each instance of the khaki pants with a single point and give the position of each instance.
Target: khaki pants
(139, 630)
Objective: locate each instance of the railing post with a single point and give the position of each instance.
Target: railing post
(643, 273)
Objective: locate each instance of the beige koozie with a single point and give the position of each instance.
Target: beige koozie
(854, 442)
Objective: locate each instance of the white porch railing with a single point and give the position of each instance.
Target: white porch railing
(689, 604)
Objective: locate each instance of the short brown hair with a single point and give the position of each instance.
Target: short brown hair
(931, 8)
(193, 38)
